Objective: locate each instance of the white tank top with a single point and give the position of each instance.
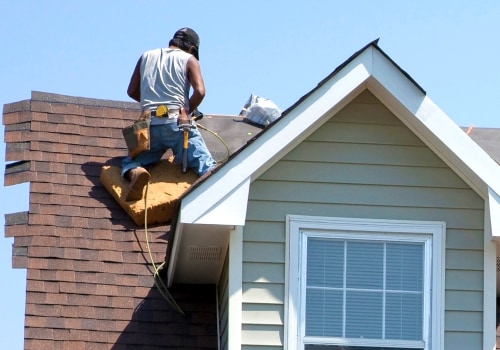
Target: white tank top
(164, 79)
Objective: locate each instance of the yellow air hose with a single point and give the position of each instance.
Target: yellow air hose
(162, 288)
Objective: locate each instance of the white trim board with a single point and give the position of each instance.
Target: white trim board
(436, 230)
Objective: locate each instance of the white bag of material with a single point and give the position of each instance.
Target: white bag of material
(260, 111)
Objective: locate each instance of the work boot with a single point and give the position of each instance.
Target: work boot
(139, 178)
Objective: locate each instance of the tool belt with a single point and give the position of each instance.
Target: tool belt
(162, 111)
(137, 137)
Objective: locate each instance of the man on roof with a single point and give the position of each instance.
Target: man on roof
(161, 82)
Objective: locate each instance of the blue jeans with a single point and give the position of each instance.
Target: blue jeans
(169, 136)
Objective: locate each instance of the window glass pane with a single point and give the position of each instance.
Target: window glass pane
(405, 266)
(341, 347)
(323, 312)
(404, 316)
(325, 263)
(365, 265)
(363, 315)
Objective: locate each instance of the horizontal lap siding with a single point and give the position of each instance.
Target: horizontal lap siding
(363, 163)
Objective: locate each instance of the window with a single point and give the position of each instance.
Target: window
(357, 284)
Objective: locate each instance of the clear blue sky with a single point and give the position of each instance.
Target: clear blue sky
(276, 49)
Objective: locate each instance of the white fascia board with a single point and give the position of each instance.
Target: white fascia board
(433, 126)
(492, 214)
(229, 210)
(444, 138)
(396, 83)
(255, 158)
(465, 150)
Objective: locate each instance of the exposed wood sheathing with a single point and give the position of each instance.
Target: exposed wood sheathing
(167, 184)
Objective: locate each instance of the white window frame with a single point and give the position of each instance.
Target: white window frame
(432, 233)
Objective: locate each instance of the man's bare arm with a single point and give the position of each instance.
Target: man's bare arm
(196, 79)
(134, 87)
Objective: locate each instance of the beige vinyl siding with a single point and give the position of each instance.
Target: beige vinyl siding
(363, 163)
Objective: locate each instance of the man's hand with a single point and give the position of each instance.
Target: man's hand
(183, 118)
(182, 121)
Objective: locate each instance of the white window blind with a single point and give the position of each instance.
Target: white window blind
(364, 289)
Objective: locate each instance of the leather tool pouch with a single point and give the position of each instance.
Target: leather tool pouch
(137, 137)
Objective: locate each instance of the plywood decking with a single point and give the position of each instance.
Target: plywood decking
(167, 184)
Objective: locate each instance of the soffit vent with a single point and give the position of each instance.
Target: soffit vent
(204, 253)
(498, 264)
